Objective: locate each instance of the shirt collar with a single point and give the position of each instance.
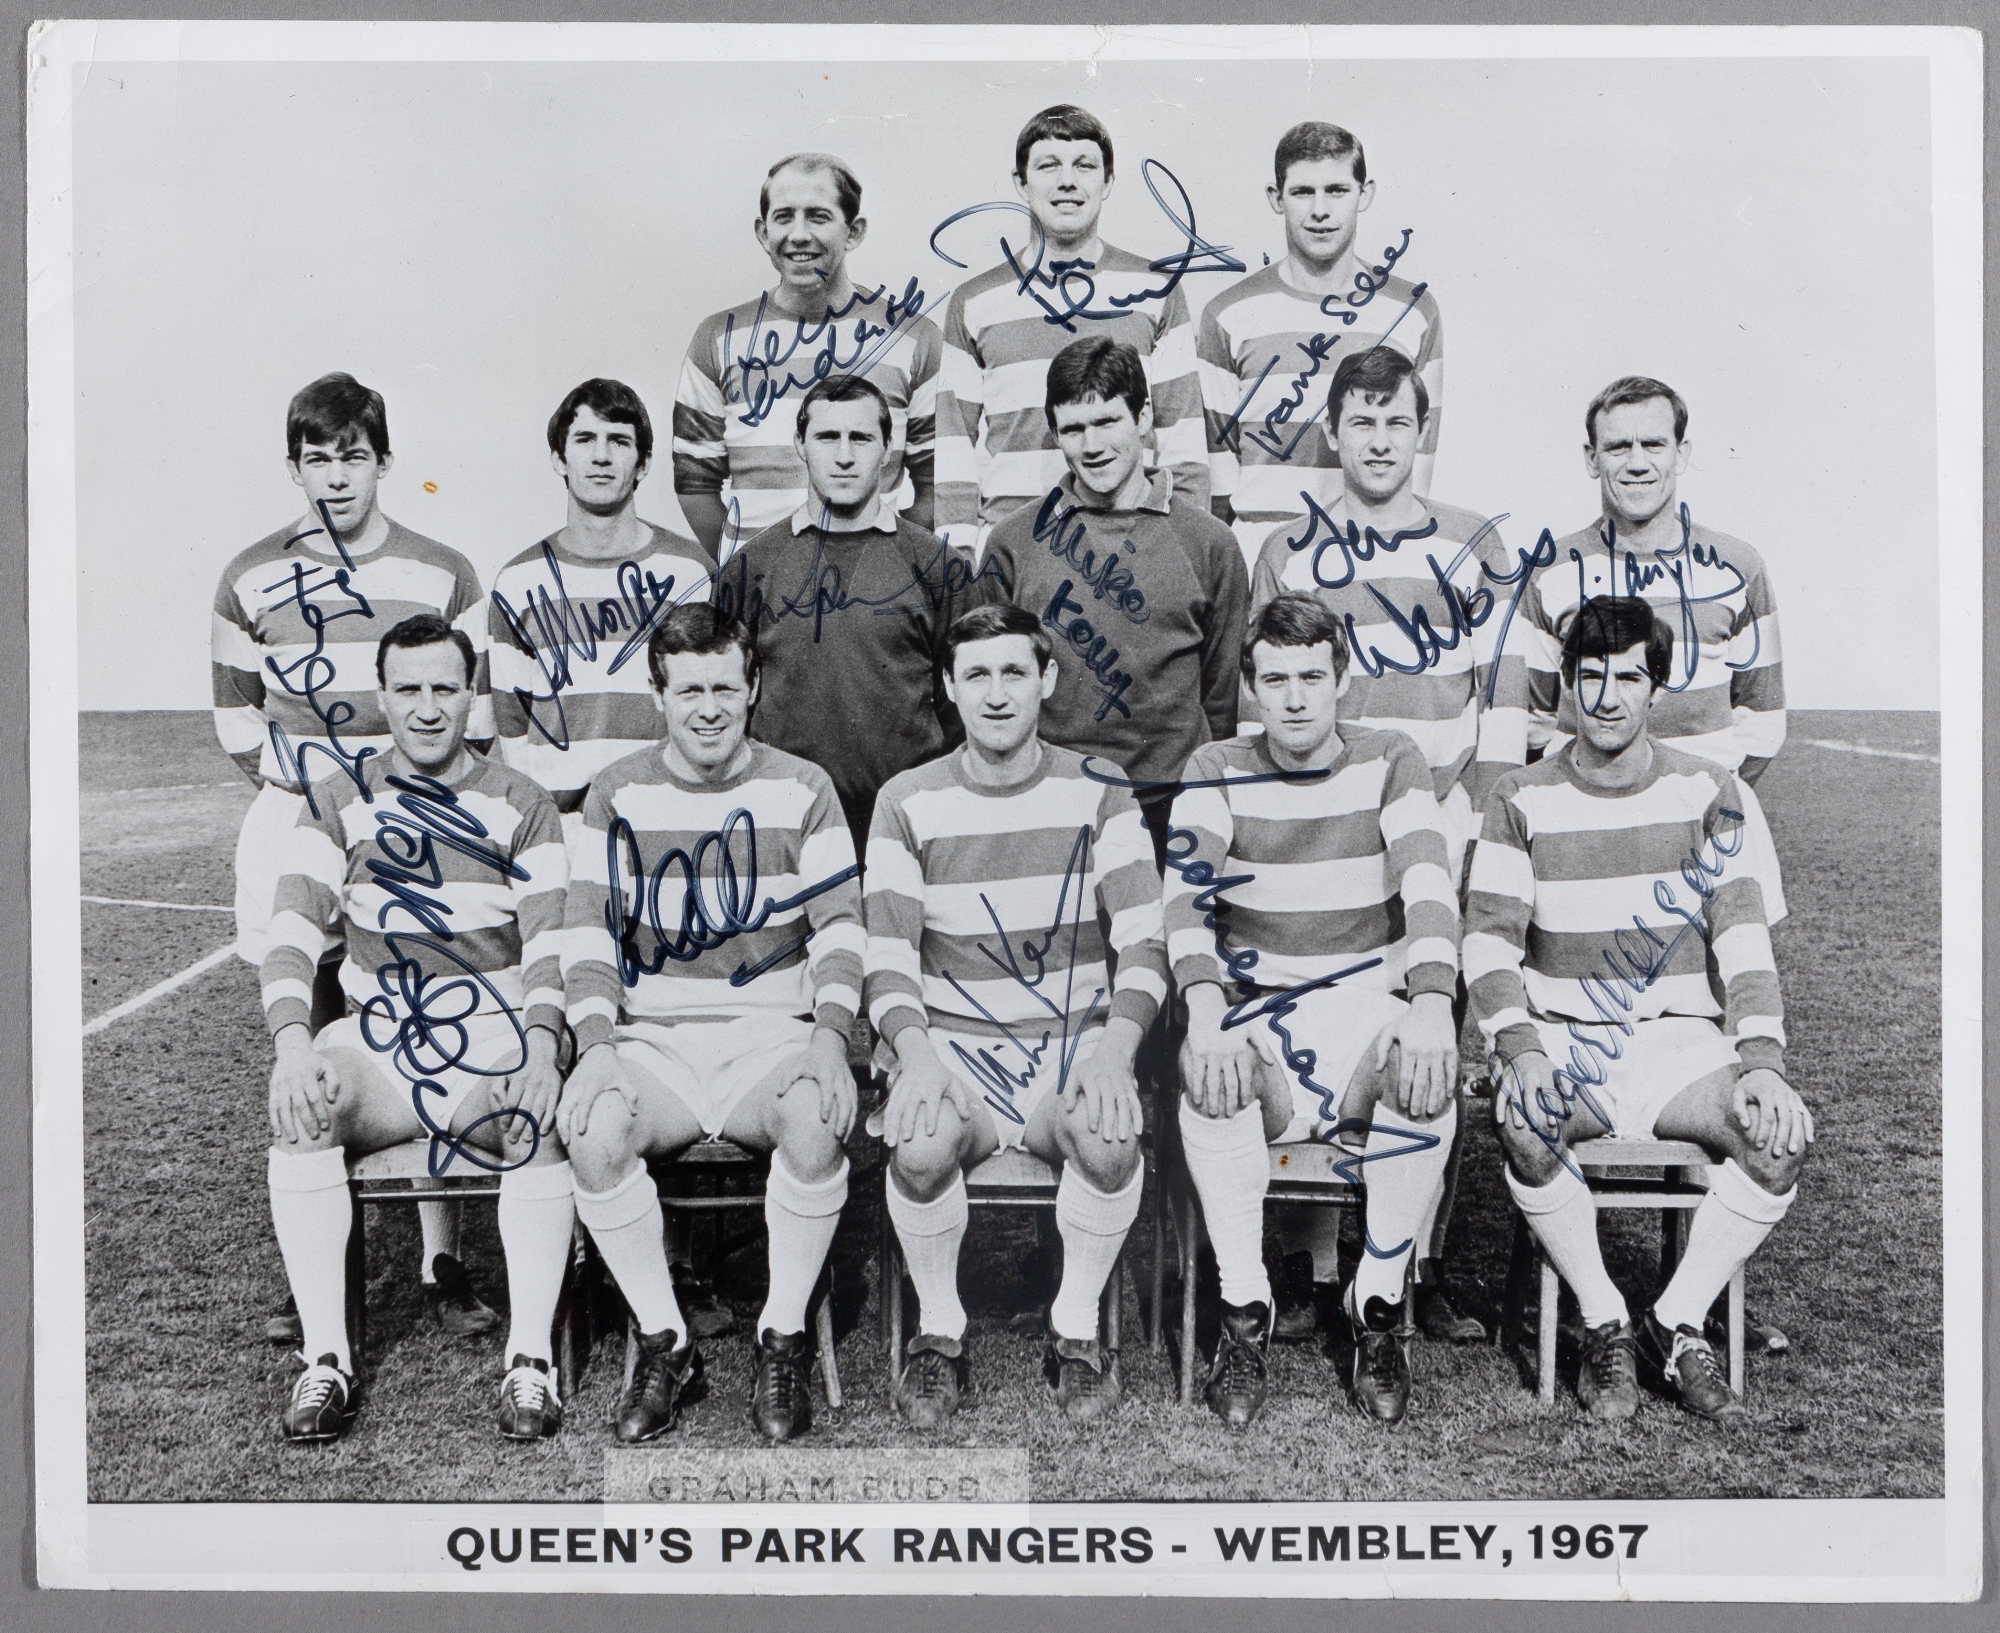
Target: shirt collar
(884, 521)
(1159, 492)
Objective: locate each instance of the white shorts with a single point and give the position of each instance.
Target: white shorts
(1336, 1027)
(490, 1050)
(1001, 1074)
(711, 1065)
(263, 845)
(1629, 1078)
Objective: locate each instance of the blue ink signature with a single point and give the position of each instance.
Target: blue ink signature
(1072, 282)
(704, 925)
(938, 580)
(563, 629)
(765, 350)
(1367, 283)
(1636, 959)
(1110, 580)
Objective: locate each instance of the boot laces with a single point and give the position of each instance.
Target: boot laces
(528, 1389)
(779, 1381)
(932, 1375)
(1704, 1357)
(1603, 1358)
(316, 1386)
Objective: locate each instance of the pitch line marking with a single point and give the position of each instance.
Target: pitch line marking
(1873, 753)
(164, 788)
(175, 907)
(172, 984)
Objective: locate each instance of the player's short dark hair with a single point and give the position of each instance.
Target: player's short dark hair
(337, 409)
(424, 629)
(1606, 625)
(1378, 374)
(700, 628)
(989, 623)
(1294, 618)
(611, 400)
(1095, 366)
(1316, 139)
(1065, 122)
(1634, 388)
(841, 388)
(846, 185)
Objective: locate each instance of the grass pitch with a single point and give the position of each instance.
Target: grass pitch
(182, 1269)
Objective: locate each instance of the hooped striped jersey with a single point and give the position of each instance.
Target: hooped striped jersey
(1031, 910)
(710, 901)
(1294, 878)
(1424, 610)
(450, 900)
(1001, 331)
(293, 642)
(571, 690)
(1610, 906)
(1725, 699)
(1268, 354)
(737, 405)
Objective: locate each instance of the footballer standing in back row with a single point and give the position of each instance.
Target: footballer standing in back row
(297, 619)
(1270, 341)
(736, 471)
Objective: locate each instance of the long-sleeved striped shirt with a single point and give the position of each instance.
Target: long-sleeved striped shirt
(1606, 907)
(1146, 607)
(571, 691)
(293, 644)
(1314, 875)
(1725, 700)
(995, 449)
(1422, 658)
(737, 405)
(728, 899)
(451, 901)
(1268, 354)
(1032, 910)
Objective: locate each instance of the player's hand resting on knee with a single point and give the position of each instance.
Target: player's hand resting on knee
(1525, 1095)
(1106, 1088)
(1217, 1067)
(824, 1065)
(304, 1086)
(922, 1085)
(595, 1076)
(1428, 1043)
(534, 1089)
(1780, 1122)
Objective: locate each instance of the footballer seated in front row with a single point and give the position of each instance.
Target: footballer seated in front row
(445, 873)
(1318, 986)
(1613, 920)
(712, 973)
(1014, 962)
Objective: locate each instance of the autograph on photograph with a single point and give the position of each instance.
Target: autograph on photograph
(753, 378)
(937, 581)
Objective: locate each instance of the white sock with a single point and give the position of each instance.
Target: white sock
(1231, 1168)
(1315, 1231)
(1563, 1216)
(312, 1212)
(625, 1224)
(930, 1233)
(439, 1223)
(537, 1217)
(801, 1219)
(1093, 1224)
(1405, 1182)
(1729, 1226)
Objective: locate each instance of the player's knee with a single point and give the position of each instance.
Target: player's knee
(1528, 1154)
(603, 1152)
(1107, 1165)
(1770, 1170)
(804, 1137)
(924, 1165)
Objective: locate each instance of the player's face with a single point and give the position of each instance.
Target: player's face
(999, 689)
(600, 462)
(1322, 204)
(1636, 459)
(1614, 699)
(1102, 442)
(1065, 185)
(706, 702)
(804, 233)
(843, 449)
(1295, 690)
(1377, 441)
(427, 697)
(343, 477)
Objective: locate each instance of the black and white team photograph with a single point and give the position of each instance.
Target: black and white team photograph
(1199, 792)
